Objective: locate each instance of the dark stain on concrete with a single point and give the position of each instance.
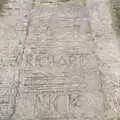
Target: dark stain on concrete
(2, 3)
(64, 0)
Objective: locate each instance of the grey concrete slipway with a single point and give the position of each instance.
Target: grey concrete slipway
(59, 60)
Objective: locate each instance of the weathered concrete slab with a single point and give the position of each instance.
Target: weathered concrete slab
(60, 73)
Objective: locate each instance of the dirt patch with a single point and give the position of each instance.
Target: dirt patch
(115, 11)
(115, 119)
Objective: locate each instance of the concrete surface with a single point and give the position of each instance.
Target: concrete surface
(59, 60)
